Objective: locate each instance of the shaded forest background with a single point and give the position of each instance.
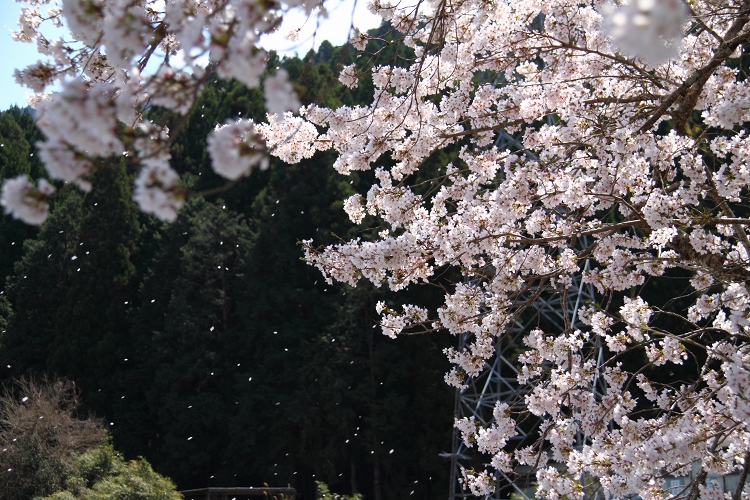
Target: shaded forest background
(208, 346)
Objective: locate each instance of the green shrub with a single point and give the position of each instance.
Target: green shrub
(102, 474)
(323, 493)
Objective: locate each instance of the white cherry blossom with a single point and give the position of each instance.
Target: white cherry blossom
(157, 192)
(279, 93)
(235, 149)
(24, 201)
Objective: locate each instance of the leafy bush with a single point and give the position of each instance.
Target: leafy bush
(102, 474)
(323, 493)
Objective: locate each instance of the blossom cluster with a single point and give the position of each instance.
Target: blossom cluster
(606, 180)
(105, 89)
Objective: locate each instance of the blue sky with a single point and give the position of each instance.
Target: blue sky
(335, 29)
(14, 55)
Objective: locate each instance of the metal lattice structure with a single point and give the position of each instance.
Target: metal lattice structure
(498, 382)
(499, 379)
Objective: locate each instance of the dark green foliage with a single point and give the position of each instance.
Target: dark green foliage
(18, 134)
(91, 329)
(15, 149)
(188, 309)
(213, 350)
(25, 120)
(72, 290)
(38, 290)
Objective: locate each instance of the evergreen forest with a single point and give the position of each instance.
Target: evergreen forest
(207, 346)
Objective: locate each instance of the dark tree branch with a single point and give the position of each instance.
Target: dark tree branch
(691, 88)
(743, 478)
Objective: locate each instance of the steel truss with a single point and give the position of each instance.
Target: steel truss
(498, 382)
(499, 379)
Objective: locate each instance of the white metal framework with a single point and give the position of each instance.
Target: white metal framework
(498, 381)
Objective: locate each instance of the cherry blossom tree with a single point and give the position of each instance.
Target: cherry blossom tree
(631, 167)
